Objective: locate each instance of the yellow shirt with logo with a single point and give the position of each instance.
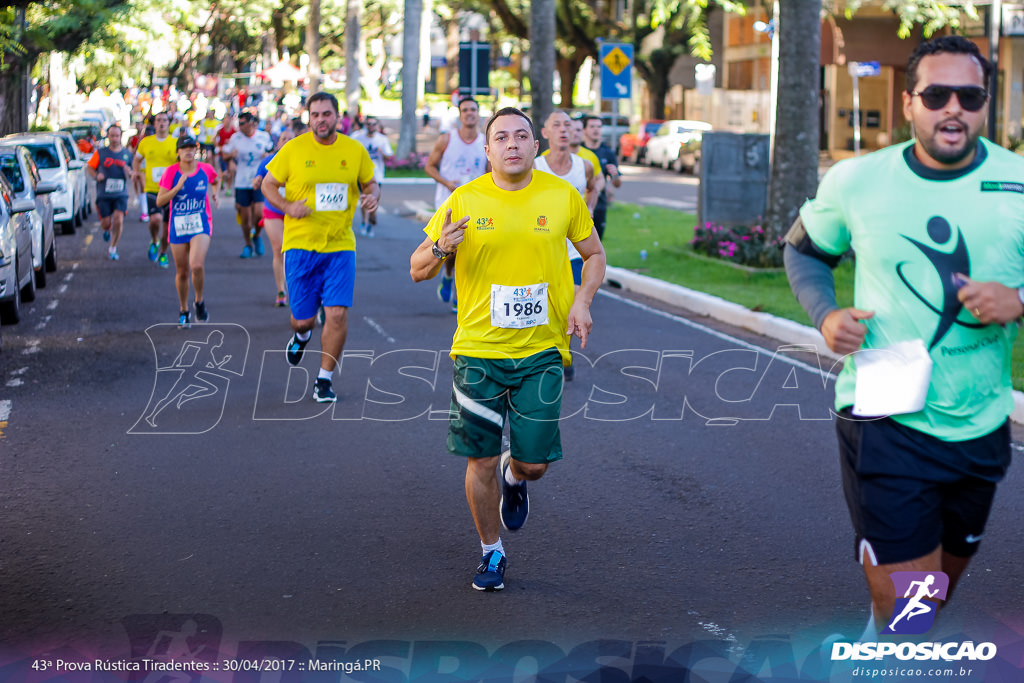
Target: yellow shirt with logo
(325, 177)
(159, 155)
(209, 131)
(514, 239)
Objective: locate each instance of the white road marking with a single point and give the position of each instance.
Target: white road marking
(380, 330)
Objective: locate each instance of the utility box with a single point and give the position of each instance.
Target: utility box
(734, 172)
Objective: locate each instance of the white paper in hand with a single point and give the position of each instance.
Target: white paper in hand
(893, 380)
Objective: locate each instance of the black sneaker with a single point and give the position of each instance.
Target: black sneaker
(515, 504)
(568, 371)
(184, 320)
(322, 391)
(295, 348)
(201, 314)
(490, 575)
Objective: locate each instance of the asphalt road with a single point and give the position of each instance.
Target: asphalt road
(695, 525)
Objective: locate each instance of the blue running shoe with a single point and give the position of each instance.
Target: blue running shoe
(246, 253)
(106, 235)
(322, 391)
(321, 316)
(257, 244)
(183, 321)
(163, 262)
(201, 313)
(515, 504)
(153, 249)
(490, 575)
(295, 349)
(444, 290)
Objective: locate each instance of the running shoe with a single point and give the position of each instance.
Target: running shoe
(162, 261)
(295, 349)
(112, 253)
(322, 391)
(455, 304)
(247, 252)
(368, 229)
(362, 229)
(515, 504)
(444, 290)
(257, 244)
(569, 372)
(201, 314)
(184, 321)
(321, 316)
(106, 235)
(153, 250)
(281, 301)
(490, 575)
(143, 217)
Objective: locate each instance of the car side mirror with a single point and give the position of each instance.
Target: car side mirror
(23, 206)
(76, 165)
(45, 187)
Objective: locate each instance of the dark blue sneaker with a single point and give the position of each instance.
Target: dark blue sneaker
(515, 504)
(490, 575)
(246, 252)
(106, 235)
(295, 348)
(444, 290)
(184, 320)
(201, 314)
(152, 252)
(322, 391)
(257, 245)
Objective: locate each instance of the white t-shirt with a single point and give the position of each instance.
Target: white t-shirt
(378, 146)
(250, 153)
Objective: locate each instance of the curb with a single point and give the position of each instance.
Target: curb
(739, 316)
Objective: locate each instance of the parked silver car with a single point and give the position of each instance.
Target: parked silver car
(17, 281)
(21, 172)
(56, 166)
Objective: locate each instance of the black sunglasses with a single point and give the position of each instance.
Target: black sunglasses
(972, 97)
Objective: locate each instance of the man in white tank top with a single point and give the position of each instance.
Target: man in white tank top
(456, 159)
(576, 171)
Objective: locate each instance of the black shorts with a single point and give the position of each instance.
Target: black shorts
(153, 209)
(906, 497)
(106, 206)
(600, 215)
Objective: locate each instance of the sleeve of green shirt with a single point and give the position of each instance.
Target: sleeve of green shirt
(824, 217)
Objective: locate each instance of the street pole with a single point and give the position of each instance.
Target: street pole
(995, 21)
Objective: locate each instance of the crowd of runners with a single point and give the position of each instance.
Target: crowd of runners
(516, 239)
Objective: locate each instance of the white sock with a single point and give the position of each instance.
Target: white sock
(325, 374)
(304, 336)
(510, 478)
(493, 546)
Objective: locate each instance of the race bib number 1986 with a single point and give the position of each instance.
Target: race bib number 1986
(519, 307)
(331, 196)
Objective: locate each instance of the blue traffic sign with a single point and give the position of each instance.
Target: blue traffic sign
(616, 70)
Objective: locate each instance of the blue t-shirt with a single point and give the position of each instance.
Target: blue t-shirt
(191, 214)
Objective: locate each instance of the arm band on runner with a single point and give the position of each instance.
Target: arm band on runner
(812, 282)
(798, 238)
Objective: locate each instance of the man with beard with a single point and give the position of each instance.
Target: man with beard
(321, 173)
(937, 225)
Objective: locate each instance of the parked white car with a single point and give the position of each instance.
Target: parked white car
(663, 147)
(17, 280)
(55, 166)
(17, 167)
(83, 205)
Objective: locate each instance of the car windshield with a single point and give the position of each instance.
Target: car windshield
(12, 171)
(45, 156)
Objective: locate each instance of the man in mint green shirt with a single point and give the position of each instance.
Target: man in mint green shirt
(937, 226)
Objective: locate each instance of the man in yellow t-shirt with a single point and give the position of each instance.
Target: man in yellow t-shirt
(517, 311)
(159, 151)
(322, 173)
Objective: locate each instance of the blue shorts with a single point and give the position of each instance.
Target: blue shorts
(106, 206)
(315, 278)
(248, 197)
(577, 271)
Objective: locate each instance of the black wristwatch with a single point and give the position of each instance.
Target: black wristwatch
(438, 252)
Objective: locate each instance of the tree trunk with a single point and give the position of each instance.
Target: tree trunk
(568, 69)
(542, 60)
(353, 50)
(14, 94)
(410, 76)
(794, 175)
(313, 45)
